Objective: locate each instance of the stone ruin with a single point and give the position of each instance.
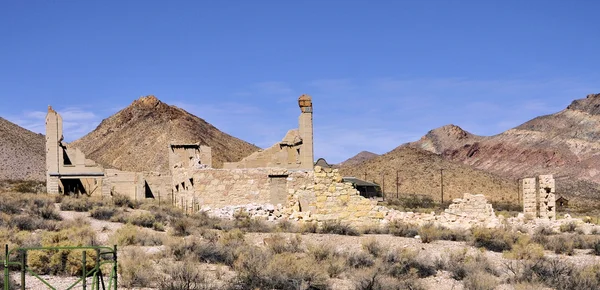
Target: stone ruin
(471, 206)
(539, 197)
(281, 182)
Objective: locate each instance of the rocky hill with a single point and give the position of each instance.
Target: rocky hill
(566, 144)
(358, 158)
(419, 173)
(136, 138)
(22, 153)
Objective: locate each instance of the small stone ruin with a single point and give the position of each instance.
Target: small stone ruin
(474, 206)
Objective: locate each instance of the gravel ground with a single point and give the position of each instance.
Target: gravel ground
(431, 251)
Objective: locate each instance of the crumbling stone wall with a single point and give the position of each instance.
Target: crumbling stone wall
(539, 197)
(327, 197)
(472, 207)
(194, 189)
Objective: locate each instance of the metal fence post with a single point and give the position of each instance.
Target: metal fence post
(23, 270)
(84, 270)
(115, 265)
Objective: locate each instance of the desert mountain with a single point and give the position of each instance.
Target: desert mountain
(358, 158)
(22, 153)
(136, 138)
(566, 144)
(419, 173)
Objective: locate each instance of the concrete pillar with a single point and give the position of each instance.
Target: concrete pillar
(54, 136)
(306, 132)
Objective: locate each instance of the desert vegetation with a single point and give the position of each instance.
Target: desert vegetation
(162, 248)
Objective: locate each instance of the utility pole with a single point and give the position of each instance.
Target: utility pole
(442, 183)
(383, 184)
(397, 185)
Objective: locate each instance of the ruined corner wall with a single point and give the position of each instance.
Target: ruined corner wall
(326, 198)
(539, 197)
(547, 198)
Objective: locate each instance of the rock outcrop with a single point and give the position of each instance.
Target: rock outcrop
(22, 153)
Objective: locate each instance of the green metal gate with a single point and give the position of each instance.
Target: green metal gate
(104, 255)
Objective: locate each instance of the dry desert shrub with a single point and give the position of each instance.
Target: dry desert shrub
(309, 228)
(461, 264)
(280, 244)
(569, 227)
(405, 263)
(63, 261)
(242, 220)
(359, 259)
(142, 219)
(286, 226)
(496, 240)
(480, 280)
(373, 247)
(80, 204)
(130, 235)
(184, 276)
(554, 273)
(375, 280)
(136, 268)
(560, 244)
(402, 229)
(338, 228)
(260, 269)
(525, 249)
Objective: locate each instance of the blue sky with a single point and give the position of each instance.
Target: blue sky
(381, 73)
